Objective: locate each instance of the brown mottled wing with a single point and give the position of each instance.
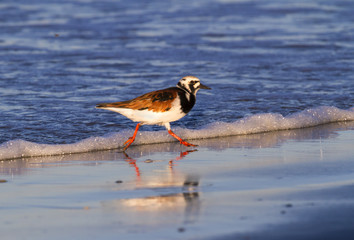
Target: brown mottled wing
(156, 101)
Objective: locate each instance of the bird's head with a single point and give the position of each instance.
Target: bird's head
(191, 84)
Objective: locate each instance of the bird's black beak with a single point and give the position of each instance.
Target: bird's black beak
(201, 86)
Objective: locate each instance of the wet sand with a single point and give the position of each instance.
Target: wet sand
(295, 184)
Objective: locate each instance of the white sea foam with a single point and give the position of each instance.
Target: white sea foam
(249, 125)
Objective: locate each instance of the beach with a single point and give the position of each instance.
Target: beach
(292, 184)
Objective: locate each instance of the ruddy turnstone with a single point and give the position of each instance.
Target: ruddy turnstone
(159, 107)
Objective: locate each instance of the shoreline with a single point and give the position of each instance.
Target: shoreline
(4, 146)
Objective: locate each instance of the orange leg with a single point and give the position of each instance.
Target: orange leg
(180, 139)
(131, 139)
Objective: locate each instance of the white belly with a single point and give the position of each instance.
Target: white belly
(150, 117)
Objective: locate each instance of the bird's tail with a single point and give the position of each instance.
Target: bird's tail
(124, 104)
(101, 105)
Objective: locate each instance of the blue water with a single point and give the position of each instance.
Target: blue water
(58, 59)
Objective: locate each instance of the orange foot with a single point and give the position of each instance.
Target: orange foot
(180, 139)
(131, 139)
(128, 143)
(187, 144)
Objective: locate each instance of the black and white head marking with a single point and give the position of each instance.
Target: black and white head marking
(190, 84)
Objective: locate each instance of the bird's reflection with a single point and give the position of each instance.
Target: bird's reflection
(133, 162)
(183, 205)
(169, 192)
(181, 156)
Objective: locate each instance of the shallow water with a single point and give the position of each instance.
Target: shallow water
(59, 59)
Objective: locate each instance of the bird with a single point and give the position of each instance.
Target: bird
(159, 107)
